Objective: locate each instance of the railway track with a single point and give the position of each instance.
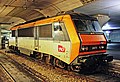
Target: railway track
(114, 68)
(17, 72)
(5, 75)
(100, 77)
(112, 75)
(48, 72)
(12, 71)
(35, 73)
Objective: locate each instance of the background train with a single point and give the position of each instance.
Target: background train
(73, 41)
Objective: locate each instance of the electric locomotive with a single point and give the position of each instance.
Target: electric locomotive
(71, 40)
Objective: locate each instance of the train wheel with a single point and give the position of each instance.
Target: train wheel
(60, 63)
(75, 68)
(52, 60)
(47, 59)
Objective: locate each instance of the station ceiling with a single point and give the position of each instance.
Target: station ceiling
(16, 11)
(106, 7)
(13, 12)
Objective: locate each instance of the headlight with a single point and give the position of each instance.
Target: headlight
(85, 48)
(101, 47)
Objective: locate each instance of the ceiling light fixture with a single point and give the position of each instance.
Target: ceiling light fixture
(87, 1)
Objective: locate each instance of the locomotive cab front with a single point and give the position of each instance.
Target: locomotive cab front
(93, 44)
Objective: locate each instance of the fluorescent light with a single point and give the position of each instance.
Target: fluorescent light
(106, 27)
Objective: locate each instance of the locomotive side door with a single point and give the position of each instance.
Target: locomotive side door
(36, 39)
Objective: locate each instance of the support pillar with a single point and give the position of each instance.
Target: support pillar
(103, 19)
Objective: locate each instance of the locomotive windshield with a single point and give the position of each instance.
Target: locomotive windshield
(87, 25)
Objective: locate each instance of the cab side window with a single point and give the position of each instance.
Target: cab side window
(60, 33)
(57, 27)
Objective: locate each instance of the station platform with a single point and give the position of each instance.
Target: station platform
(113, 49)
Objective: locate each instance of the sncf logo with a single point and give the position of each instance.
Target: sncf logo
(61, 48)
